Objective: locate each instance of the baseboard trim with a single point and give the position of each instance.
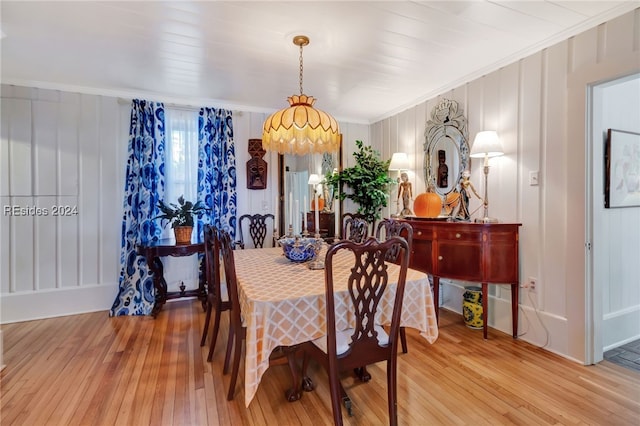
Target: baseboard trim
(29, 306)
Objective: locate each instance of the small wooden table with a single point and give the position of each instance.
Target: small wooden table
(168, 247)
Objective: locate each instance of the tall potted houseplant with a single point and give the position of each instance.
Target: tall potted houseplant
(367, 180)
(181, 217)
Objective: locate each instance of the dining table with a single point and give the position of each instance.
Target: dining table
(283, 304)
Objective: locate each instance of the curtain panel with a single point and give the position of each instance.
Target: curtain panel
(144, 187)
(217, 170)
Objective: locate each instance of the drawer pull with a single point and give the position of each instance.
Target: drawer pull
(439, 257)
(419, 232)
(458, 235)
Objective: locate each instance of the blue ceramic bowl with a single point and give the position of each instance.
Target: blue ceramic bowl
(300, 250)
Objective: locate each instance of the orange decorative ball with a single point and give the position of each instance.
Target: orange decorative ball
(427, 204)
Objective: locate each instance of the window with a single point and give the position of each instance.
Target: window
(181, 178)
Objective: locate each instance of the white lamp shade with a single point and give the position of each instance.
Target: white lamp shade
(314, 179)
(399, 161)
(487, 144)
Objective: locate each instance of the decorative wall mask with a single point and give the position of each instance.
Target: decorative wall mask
(256, 166)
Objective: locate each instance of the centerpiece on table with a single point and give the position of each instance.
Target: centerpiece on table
(181, 217)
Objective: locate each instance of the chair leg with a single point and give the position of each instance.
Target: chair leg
(337, 392)
(227, 357)
(236, 366)
(206, 325)
(403, 340)
(392, 393)
(214, 334)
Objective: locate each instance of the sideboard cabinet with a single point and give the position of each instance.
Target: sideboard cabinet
(327, 224)
(486, 253)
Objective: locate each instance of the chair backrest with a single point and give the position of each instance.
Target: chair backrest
(257, 228)
(229, 265)
(393, 228)
(367, 283)
(212, 259)
(354, 227)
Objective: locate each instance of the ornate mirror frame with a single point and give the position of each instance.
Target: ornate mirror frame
(446, 148)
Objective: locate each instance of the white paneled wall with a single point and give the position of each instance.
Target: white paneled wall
(61, 200)
(538, 107)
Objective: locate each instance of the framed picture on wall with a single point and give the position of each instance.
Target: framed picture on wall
(622, 169)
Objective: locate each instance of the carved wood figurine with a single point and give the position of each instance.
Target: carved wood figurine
(256, 166)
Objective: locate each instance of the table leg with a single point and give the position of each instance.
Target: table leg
(202, 289)
(485, 308)
(295, 393)
(297, 382)
(157, 269)
(436, 295)
(515, 288)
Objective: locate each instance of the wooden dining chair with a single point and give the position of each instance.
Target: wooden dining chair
(257, 229)
(217, 293)
(390, 228)
(354, 227)
(238, 333)
(367, 342)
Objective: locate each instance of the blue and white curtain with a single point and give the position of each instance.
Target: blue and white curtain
(217, 170)
(144, 186)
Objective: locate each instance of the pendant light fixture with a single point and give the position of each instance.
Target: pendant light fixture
(301, 129)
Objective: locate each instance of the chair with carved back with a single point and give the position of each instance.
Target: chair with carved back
(217, 293)
(238, 333)
(390, 228)
(355, 227)
(257, 229)
(366, 343)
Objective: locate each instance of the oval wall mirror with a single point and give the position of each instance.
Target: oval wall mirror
(446, 147)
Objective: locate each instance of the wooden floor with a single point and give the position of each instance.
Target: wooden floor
(94, 370)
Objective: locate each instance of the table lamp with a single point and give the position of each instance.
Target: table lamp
(486, 145)
(399, 162)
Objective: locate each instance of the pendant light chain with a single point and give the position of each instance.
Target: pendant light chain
(301, 67)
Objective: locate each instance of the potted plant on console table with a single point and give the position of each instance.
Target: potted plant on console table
(181, 217)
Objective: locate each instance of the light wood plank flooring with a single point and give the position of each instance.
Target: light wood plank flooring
(94, 370)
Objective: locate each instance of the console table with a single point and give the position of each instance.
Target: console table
(479, 252)
(327, 224)
(168, 247)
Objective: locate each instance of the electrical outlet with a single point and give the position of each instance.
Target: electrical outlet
(531, 284)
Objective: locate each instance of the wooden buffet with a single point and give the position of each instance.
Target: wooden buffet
(327, 224)
(478, 252)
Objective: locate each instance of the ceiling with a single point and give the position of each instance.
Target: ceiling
(366, 60)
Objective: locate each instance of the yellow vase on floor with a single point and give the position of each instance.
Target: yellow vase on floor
(472, 307)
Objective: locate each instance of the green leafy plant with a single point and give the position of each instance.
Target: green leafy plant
(368, 181)
(181, 214)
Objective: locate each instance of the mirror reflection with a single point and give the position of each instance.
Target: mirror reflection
(297, 196)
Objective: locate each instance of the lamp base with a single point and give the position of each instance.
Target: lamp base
(486, 220)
